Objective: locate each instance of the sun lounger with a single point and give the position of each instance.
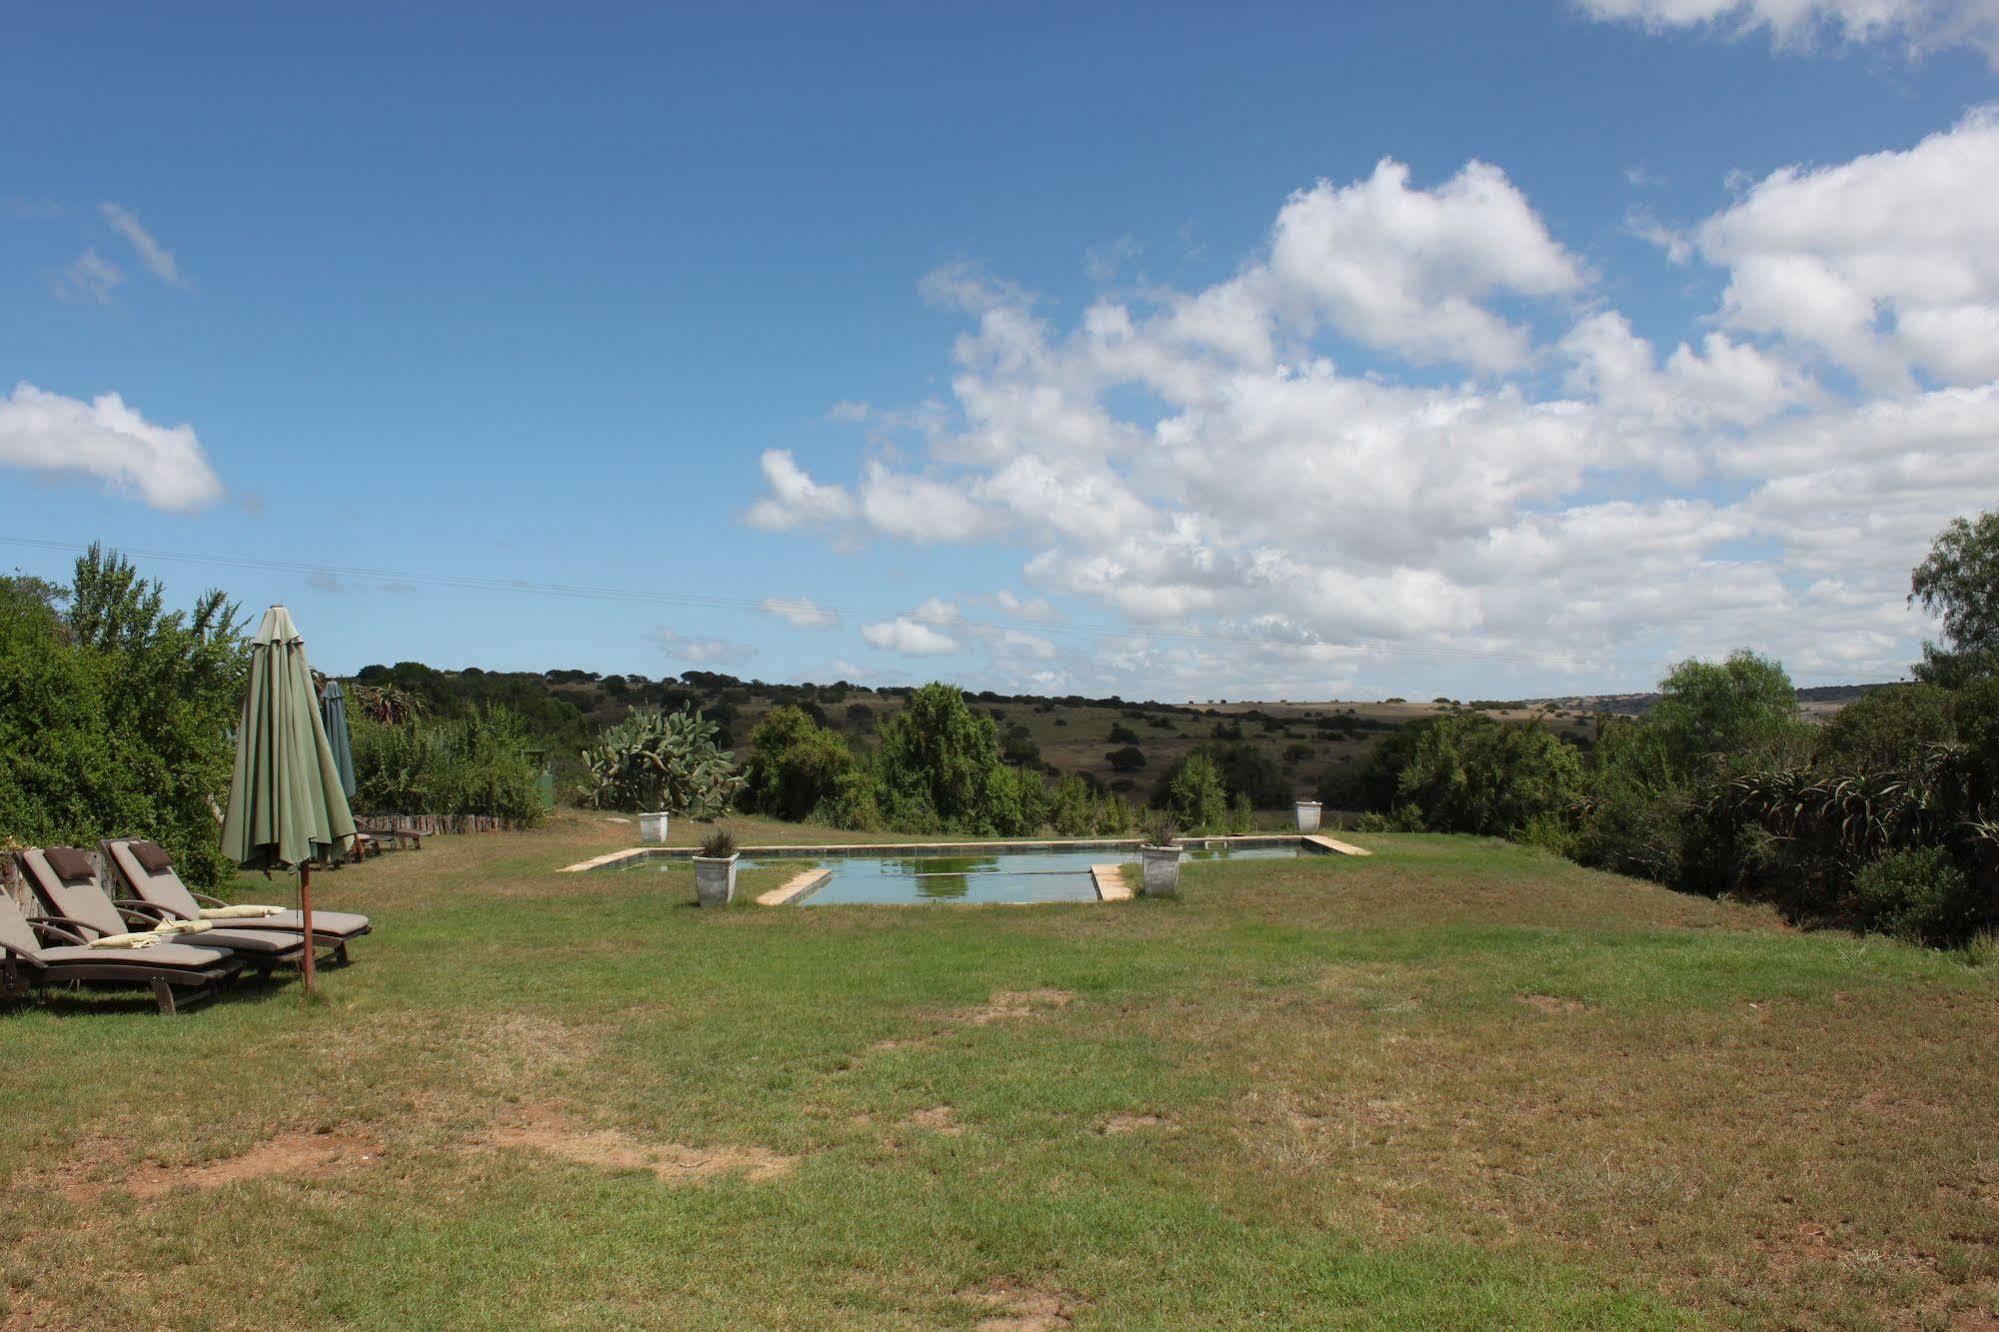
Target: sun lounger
(76, 898)
(38, 952)
(162, 889)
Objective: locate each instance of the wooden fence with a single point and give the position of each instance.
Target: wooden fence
(430, 825)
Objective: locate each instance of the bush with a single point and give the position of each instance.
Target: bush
(115, 713)
(939, 768)
(1473, 774)
(654, 760)
(795, 764)
(1918, 895)
(1195, 796)
(480, 763)
(1128, 759)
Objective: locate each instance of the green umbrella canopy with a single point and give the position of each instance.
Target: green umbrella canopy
(286, 805)
(333, 711)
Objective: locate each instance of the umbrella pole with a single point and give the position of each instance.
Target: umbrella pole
(305, 910)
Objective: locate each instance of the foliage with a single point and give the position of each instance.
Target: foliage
(1160, 829)
(115, 712)
(1731, 714)
(1958, 581)
(1887, 729)
(1241, 817)
(655, 760)
(1195, 795)
(479, 763)
(938, 767)
(1919, 895)
(719, 844)
(1130, 758)
(795, 765)
(1470, 773)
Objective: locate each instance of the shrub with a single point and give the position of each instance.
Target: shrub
(1886, 729)
(719, 844)
(939, 767)
(1128, 759)
(480, 763)
(115, 712)
(1241, 818)
(1473, 774)
(655, 760)
(1919, 895)
(1122, 735)
(1074, 813)
(1195, 795)
(795, 764)
(1160, 830)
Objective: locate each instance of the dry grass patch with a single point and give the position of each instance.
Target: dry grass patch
(549, 1129)
(1009, 1005)
(1021, 1308)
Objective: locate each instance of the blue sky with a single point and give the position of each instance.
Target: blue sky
(1063, 348)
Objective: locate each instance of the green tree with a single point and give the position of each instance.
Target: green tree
(1196, 797)
(1958, 581)
(1715, 716)
(795, 764)
(938, 766)
(1886, 729)
(1473, 774)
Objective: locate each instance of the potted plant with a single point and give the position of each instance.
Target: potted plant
(1160, 857)
(1308, 816)
(715, 869)
(652, 827)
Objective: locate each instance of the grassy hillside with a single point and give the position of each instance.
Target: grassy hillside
(1459, 1084)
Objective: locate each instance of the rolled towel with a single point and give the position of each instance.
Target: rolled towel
(146, 940)
(240, 912)
(172, 927)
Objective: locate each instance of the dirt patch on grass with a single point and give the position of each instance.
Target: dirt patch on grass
(295, 1155)
(546, 1128)
(1135, 1123)
(1008, 1005)
(1554, 1005)
(1019, 1308)
(937, 1119)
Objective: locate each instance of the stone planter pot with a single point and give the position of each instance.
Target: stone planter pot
(652, 827)
(715, 879)
(1162, 870)
(1308, 816)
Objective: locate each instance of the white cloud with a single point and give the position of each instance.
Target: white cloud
(90, 276)
(795, 499)
(1037, 610)
(909, 637)
(1201, 466)
(1918, 25)
(1408, 269)
(164, 465)
(156, 257)
(1885, 264)
(799, 612)
(675, 646)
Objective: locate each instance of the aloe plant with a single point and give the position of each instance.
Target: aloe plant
(654, 760)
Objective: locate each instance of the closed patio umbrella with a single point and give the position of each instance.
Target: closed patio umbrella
(286, 803)
(333, 711)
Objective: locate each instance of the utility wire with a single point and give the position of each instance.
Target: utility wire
(587, 592)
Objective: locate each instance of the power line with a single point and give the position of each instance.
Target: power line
(588, 592)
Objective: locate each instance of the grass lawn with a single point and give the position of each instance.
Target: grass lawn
(1459, 1083)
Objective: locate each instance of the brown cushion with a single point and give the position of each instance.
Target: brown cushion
(69, 864)
(152, 857)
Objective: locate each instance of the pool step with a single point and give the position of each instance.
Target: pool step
(795, 887)
(1110, 883)
(1336, 846)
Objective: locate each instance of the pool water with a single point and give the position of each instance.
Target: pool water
(986, 877)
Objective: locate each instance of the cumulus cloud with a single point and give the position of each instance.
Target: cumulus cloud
(165, 466)
(1579, 499)
(800, 612)
(909, 637)
(675, 646)
(1918, 25)
(159, 261)
(795, 499)
(1885, 265)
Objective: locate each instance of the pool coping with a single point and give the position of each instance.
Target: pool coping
(634, 855)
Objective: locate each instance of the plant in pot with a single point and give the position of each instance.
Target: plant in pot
(655, 761)
(715, 869)
(1160, 857)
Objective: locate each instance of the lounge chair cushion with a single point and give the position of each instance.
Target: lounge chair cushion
(70, 865)
(325, 924)
(160, 957)
(153, 856)
(251, 944)
(166, 890)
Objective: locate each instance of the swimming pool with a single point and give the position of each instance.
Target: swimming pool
(980, 877)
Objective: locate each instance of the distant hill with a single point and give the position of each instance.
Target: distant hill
(1302, 747)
